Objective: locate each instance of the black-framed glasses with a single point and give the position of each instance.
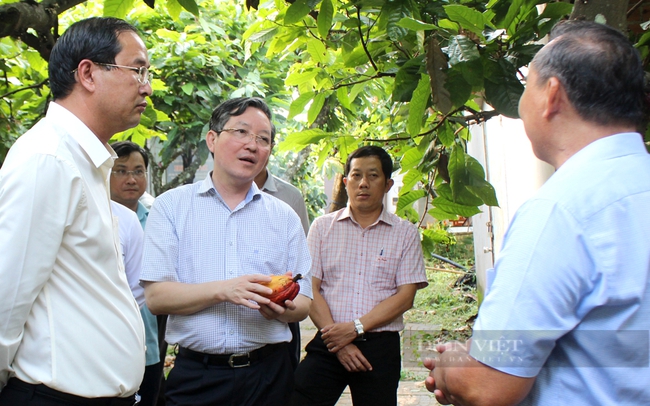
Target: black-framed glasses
(244, 136)
(144, 76)
(122, 174)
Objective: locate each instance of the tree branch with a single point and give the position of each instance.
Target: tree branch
(35, 86)
(20, 20)
(363, 42)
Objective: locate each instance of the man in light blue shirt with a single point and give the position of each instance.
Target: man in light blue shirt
(209, 247)
(565, 317)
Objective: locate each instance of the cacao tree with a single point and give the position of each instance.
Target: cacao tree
(409, 75)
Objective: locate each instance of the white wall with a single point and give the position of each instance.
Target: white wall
(503, 149)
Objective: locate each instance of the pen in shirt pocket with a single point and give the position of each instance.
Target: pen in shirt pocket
(381, 256)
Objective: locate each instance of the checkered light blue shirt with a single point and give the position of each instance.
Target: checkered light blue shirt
(192, 236)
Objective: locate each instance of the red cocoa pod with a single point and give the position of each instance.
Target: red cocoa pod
(284, 288)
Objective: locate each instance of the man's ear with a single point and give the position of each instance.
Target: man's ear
(84, 74)
(389, 185)
(556, 98)
(210, 138)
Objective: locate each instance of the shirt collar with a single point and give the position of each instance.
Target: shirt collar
(142, 213)
(608, 147)
(384, 217)
(207, 186)
(100, 154)
(269, 185)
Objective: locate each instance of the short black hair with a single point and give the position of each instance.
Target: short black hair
(125, 148)
(94, 39)
(371, 150)
(599, 69)
(236, 107)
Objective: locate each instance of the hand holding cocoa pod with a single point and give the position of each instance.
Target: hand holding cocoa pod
(284, 288)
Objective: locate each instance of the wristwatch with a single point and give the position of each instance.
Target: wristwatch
(358, 327)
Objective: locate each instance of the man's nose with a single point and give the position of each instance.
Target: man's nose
(364, 182)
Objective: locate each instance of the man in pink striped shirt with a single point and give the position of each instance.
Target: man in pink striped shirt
(367, 265)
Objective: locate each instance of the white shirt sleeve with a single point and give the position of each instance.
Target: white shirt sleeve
(131, 242)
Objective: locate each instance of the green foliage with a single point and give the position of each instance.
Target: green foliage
(408, 75)
(405, 75)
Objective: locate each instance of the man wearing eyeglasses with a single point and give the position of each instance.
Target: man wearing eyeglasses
(208, 249)
(70, 330)
(128, 184)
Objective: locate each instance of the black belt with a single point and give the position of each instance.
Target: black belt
(43, 390)
(237, 360)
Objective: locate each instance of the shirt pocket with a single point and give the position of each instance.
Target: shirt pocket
(384, 273)
(266, 261)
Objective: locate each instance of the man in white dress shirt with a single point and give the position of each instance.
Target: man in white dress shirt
(70, 329)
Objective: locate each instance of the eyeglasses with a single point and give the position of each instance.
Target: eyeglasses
(144, 76)
(244, 136)
(122, 174)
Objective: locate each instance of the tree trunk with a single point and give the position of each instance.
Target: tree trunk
(339, 194)
(613, 12)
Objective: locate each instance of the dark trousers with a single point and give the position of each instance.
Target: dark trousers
(150, 386)
(294, 345)
(320, 377)
(266, 382)
(19, 393)
(162, 345)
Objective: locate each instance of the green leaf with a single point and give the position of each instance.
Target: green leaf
(461, 49)
(171, 36)
(436, 236)
(394, 11)
(468, 184)
(355, 58)
(556, 10)
(409, 198)
(412, 177)
(468, 18)
(325, 16)
(504, 96)
(343, 98)
(117, 8)
(315, 108)
(298, 105)
(299, 140)
(455, 208)
(407, 79)
(485, 192)
(415, 25)
(188, 88)
(296, 12)
(458, 88)
(346, 145)
(317, 51)
(458, 173)
(410, 159)
(446, 135)
(263, 35)
(190, 5)
(36, 61)
(439, 214)
(297, 78)
(418, 105)
(174, 9)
